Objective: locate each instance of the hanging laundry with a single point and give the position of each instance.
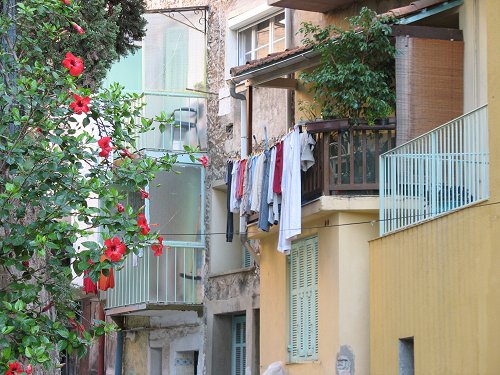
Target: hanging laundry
(270, 184)
(290, 219)
(264, 205)
(307, 143)
(278, 168)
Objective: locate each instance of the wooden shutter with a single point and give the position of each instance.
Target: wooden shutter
(238, 345)
(304, 300)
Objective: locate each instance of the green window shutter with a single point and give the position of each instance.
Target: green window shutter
(238, 345)
(246, 260)
(304, 300)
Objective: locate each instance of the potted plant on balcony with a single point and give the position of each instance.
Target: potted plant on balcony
(355, 78)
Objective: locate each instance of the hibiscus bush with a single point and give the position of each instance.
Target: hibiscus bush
(62, 150)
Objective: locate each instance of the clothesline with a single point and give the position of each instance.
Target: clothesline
(268, 183)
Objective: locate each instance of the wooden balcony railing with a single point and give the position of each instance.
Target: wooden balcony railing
(346, 158)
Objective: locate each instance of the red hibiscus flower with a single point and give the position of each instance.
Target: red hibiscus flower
(73, 64)
(105, 147)
(203, 160)
(78, 28)
(67, 2)
(29, 369)
(115, 249)
(144, 194)
(88, 285)
(14, 368)
(106, 282)
(124, 153)
(120, 207)
(143, 224)
(80, 105)
(158, 248)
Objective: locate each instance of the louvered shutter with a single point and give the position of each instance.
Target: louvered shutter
(304, 300)
(238, 362)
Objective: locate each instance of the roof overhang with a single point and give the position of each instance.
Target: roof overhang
(321, 6)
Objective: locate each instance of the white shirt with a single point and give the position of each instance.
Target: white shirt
(290, 219)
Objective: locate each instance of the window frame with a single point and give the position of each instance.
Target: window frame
(241, 53)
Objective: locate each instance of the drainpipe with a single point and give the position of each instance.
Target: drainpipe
(243, 112)
(119, 345)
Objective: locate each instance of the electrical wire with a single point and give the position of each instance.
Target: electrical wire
(371, 222)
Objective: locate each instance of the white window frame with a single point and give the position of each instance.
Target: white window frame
(240, 20)
(270, 43)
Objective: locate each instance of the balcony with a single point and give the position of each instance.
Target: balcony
(170, 281)
(346, 158)
(440, 171)
(188, 128)
(173, 280)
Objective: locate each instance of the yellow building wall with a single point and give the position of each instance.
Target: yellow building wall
(439, 281)
(343, 281)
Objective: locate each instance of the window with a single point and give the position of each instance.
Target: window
(170, 63)
(155, 360)
(238, 345)
(261, 38)
(303, 271)
(406, 357)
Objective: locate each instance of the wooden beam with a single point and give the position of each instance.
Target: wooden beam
(281, 83)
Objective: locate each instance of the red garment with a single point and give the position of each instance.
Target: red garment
(278, 168)
(241, 177)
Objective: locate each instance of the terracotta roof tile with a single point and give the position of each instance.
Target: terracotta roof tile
(413, 7)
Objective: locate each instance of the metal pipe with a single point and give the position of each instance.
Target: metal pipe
(119, 353)
(243, 122)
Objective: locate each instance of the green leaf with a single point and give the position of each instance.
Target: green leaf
(28, 352)
(7, 329)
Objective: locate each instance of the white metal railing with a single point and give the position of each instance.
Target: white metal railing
(172, 278)
(444, 169)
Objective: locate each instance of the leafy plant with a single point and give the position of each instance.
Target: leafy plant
(59, 147)
(355, 78)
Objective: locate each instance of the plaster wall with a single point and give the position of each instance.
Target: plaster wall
(173, 334)
(343, 294)
(438, 281)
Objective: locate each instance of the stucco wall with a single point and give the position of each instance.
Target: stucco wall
(171, 332)
(438, 281)
(343, 294)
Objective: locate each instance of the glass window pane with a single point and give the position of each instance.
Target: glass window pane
(279, 31)
(189, 126)
(175, 205)
(358, 157)
(174, 54)
(262, 35)
(244, 46)
(371, 157)
(345, 158)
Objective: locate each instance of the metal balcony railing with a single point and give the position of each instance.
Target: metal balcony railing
(174, 278)
(442, 170)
